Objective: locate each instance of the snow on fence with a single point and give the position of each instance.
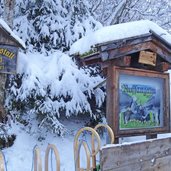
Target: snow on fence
(151, 155)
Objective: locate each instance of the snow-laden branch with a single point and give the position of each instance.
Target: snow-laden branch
(114, 16)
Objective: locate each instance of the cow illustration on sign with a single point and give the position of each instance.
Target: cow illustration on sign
(139, 106)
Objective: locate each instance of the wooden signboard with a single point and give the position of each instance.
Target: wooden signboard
(140, 103)
(148, 58)
(8, 59)
(151, 155)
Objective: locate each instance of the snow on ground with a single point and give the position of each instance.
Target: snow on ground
(116, 32)
(19, 157)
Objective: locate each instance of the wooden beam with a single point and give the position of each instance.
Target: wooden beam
(124, 42)
(91, 59)
(163, 66)
(160, 39)
(124, 51)
(110, 101)
(123, 61)
(100, 84)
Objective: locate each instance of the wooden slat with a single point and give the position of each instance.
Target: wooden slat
(91, 59)
(123, 61)
(110, 94)
(124, 42)
(126, 51)
(163, 66)
(7, 39)
(147, 57)
(152, 155)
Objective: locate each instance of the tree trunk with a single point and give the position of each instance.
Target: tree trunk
(9, 12)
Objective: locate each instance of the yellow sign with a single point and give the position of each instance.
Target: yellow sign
(7, 53)
(8, 59)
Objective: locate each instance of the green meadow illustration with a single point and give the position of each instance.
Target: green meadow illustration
(137, 106)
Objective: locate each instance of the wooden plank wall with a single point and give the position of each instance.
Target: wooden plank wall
(6, 39)
(151, 155)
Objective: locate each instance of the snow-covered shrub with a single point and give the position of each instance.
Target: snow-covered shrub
(50, 87)
(6, 138)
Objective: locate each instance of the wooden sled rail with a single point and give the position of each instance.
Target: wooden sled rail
(88, 157)
(90, 154)
(38, 160)
(54, 149)
(77, 147)
(112, 138)
(2, 162)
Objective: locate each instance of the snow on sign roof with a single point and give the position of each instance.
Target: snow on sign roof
(4, 26)
(117, 32)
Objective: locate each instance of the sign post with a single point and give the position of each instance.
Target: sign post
(8, 65)
(9, 46)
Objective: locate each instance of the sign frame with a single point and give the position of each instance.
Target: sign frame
(8, 59)
(133, 72)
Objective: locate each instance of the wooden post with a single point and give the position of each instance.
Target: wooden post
(3, 78)
(111, 97)
(8, 16)
(9, 11)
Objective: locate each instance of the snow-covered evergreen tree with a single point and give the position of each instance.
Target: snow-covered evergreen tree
(52, 24)
(51, 85)
(111, 12)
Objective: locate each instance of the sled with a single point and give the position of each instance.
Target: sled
(91, 153)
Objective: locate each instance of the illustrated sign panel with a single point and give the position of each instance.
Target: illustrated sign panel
(8, 59)
(140, 102)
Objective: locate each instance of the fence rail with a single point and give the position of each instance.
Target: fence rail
(151, 155)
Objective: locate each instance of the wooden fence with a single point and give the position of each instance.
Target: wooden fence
(151, 155)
